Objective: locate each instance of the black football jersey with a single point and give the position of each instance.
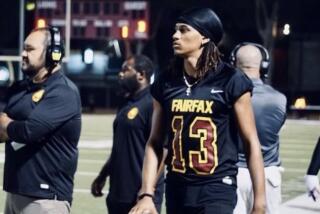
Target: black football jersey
(201, 127)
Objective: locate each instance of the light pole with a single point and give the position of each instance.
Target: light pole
(21, 35)
(68, 27)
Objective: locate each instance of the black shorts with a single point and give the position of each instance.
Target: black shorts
(216, 198)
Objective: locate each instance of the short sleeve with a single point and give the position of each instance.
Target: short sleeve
(157, 88)
(238, 85)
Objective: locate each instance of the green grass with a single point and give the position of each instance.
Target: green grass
(97, 127)
(297, 142)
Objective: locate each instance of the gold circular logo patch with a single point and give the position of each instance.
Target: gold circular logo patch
(36, 96)
(133, 113)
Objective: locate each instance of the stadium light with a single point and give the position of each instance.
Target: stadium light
(41, 23)
(88, 56)
(286, 29)
(125, 31)
(4, 74)
(30, 6)
(142, 26)
(300, 103)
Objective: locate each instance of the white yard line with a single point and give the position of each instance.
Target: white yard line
(304, 122)
(87, 173)
(91, 161)
(296, 160)
(95, 144)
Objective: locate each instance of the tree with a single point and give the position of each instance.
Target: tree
(266, 13)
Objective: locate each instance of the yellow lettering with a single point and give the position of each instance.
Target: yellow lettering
(200, 106)
(174, 105)
(195, 104)
(180, 105)
(183, 107)
(186, 105)
(209, 106)
(191, 108)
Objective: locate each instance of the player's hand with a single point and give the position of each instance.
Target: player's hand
(313, 187)
(259, 206)
(144, 206)
(97, 186)
(258, 210)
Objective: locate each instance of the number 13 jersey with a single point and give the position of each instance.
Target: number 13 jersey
(201, 125)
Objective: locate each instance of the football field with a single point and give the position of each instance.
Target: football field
(298, 138)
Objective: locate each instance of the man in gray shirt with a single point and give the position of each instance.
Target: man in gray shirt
(269, 108)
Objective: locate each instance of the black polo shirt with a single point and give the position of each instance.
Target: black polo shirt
(41, 155)
(131, 129)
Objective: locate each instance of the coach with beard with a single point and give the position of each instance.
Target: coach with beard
(131, 129)
(41, 127)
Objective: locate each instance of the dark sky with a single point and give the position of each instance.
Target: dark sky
(9, 25)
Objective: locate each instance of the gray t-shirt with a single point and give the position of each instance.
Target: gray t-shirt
(269, 108)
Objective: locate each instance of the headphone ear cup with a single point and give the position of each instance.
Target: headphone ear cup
(56, 54)
(55, 51)
(48, 58)
(232, 60)
(264, 64)
(264, 69)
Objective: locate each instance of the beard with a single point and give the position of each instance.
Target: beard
(29, 72)
(129, 85)
(28, 69)
(31, 67)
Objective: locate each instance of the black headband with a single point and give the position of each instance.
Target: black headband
(205, 21)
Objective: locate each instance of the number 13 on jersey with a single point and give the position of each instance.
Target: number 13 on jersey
(204, 160)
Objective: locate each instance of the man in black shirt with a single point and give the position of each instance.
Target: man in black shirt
(131, 130)
(41, 126)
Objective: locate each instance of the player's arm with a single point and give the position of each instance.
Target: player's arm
(161, 165)
(311, 178)
(246, 123)
(152, 158)
(100, 181)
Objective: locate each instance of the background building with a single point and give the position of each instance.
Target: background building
(104, 32)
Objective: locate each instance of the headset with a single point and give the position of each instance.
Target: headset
(265, 62)
(55, 50)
